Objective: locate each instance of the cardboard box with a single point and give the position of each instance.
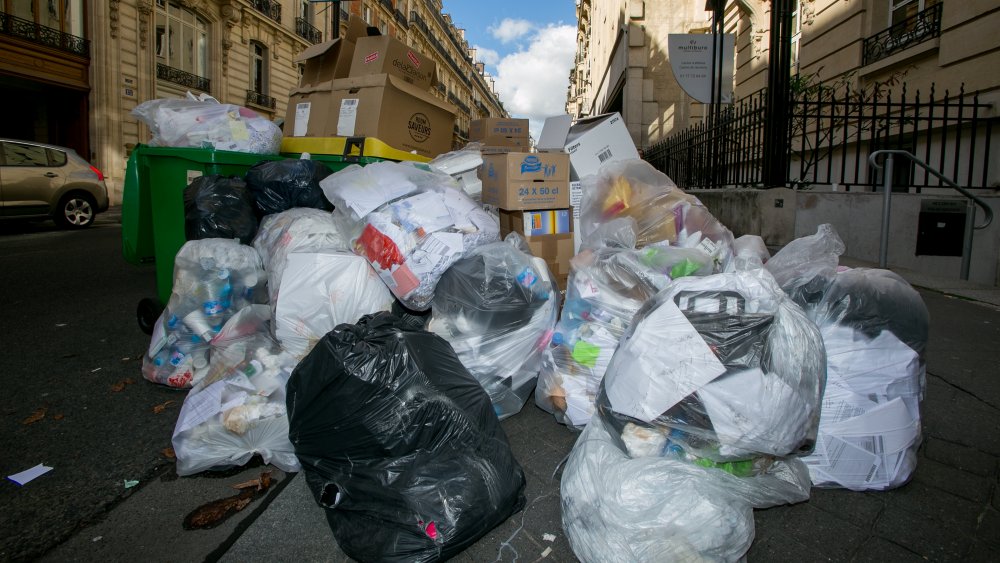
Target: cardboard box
(519, 180)
(378, 105)
(481, 129)
(522, 144)
(330, 60)
(382, 54)
(590, 142)
(556, 250)
(534, 223)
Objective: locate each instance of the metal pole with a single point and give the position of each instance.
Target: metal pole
(883, 247)
(775, 165)
(970, 220)
(336, 20)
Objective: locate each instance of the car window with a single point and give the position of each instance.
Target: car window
(56, 158)
(16, 154)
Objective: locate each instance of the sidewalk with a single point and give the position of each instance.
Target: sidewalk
(950, 511)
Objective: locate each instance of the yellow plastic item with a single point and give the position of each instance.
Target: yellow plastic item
(347, 146)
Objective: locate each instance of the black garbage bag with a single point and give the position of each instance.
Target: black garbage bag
(399, 443)
(219, 207)
(280, 185)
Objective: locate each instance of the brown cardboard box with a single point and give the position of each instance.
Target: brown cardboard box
(519, 180)
(381, 54)
(481, 129)
(332, 59)
(556, 250)
(378, 105)
(522, 144)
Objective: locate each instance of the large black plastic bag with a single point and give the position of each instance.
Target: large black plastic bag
(219, 207)
(399, 443)
(279, 185)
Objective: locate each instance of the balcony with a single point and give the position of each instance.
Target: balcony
(401, 20)
(387, 4)
(182, 78)
(456, 101)
(260, 100)
(306, 31)
(43, 35)
(907, 33)
(269, 8)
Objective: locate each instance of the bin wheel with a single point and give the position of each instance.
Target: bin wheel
(146, 313)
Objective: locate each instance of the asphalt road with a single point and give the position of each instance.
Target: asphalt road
(71, 345)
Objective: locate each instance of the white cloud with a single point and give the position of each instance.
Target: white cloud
(511, 29)
(486, 56)
(532, 83)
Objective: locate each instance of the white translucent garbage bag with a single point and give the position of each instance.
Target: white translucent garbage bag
(463, 165)
(410, 221)
(213, 279)
(663, 212)
(666, 506)
(875, 326)
(320, 290)
(238, 410)
(805, 266)
(296, 230)
(609, 282)
(497, 308)
(726, 364)
(205, 123)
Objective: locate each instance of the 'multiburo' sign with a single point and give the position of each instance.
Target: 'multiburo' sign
(691, 61)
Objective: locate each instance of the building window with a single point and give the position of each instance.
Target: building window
(306, 11)
(383, 28)
(796, 34)
(181, 39)
(900, 10)
(366, 14)
(258, 67)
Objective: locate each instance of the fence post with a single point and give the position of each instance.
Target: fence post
(776, 115)
(883, 246)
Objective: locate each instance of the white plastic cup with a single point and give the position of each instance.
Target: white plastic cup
(199, 324)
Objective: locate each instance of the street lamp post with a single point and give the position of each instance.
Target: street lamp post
(779, 68)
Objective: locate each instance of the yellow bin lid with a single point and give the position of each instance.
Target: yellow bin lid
(347, 146)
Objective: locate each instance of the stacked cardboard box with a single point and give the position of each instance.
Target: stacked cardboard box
(500, 135)
(361, 86)
(531, 192)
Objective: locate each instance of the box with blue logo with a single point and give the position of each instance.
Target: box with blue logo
(521, 180)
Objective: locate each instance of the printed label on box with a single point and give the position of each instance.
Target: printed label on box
(372, 57)
(301, 119)
(348, 117)
(413, 58)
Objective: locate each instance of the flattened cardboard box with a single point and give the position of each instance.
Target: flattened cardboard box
(332, 59)
(481, 129)
(384, 55)
(378, 105)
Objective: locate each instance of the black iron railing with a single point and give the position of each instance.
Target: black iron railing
(43, 35)
(269, 8)
(455, 100)
(443, 53)
(345, 16)
(387, 4)
(831, 134)
(182, 78)
(462, 133)
(261, 100)
(307, 31)
(907, 33)
(401, 19)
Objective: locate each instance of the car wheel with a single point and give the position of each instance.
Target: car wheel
(147, 313)
(75, 211)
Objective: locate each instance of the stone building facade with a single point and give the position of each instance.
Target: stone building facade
(73, 70)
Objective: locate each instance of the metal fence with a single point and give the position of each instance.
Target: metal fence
(831, 133)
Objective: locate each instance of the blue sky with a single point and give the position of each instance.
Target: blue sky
(527, 46)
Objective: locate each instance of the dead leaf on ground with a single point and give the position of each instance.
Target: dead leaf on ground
(168, 453)
(121, 385)
(35, 416)
(211, 514)
(59, 416)
(163, 406)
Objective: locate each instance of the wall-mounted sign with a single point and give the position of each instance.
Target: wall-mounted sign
(691, 57)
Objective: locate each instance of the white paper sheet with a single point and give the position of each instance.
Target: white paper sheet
(28, 475)
(200, 406)
(425, 211)
(664, 361)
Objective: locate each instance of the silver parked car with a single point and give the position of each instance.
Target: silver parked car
(39, 181)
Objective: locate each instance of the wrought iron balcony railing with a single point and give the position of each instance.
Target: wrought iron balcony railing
(401, 19)
(455, 100)
(43, 35)
(261, 100)
(307, 31)
(269, 8)
(907, 33)
(182, 78)
(387, 4)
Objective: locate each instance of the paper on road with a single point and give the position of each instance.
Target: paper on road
(28, 475)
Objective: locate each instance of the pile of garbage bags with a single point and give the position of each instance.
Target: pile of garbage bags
(875, 329)
(399, 443)
(715, 387)
(410, 221)
(202, 122)
(219, 207)
(497, 308)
